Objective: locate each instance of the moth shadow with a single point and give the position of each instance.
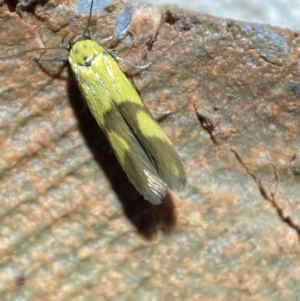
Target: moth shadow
(147, 218)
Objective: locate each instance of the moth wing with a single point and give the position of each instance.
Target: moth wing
(159, 148)
(133, 159)
(146, 130)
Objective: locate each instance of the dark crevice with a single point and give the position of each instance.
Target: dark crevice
(24, 5)
(271, 198)
(170, 19)
(207, 125)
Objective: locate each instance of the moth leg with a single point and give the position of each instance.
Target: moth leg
(115, 36)
(117, 58)
(160, 116)
(53, 59)
(114, 55)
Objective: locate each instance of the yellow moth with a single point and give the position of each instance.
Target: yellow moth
(142, 148)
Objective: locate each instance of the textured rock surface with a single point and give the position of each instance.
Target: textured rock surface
(73, 228)
(283, 13)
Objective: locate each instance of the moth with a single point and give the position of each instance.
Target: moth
(142, 148)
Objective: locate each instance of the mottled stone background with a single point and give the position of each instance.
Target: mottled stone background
(283, 13)
(71, 225)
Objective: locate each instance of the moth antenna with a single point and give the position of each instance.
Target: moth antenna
(87, 30)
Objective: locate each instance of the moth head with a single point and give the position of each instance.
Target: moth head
(78, 37)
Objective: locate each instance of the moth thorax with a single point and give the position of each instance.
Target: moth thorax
(78, 37)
